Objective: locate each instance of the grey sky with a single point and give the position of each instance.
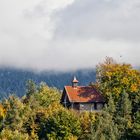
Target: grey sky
(68, 34)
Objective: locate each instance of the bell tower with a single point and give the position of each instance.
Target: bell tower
(75, 82)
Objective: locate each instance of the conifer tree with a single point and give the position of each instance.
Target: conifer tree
(136, 126)
(105, 127)
(14, 113)
(30, 88)
(123, 115)
(110, 107)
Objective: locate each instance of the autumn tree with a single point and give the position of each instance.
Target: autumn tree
(113, 78)
(47, 95)
(39, 103)
(7, 134)
(17, 114)
(2, 115)
(59, 123)
(87, 119)
(14, 113)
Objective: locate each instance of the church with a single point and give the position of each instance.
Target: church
(82, 98)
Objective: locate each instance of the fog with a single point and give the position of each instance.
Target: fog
(68, 34)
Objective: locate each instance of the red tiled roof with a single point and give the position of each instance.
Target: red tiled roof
(83, 94)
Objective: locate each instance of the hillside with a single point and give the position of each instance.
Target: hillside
(14, 80)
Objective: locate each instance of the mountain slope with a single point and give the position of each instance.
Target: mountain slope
(14, 81)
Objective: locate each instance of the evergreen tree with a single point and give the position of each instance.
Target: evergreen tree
(30, 88)
(14, 113)
(110, 107)
(123, 115)
(105, 127)
(136, 126)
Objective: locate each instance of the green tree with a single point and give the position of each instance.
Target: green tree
(87, 119)
(136, 127)
(30, 88)
(113, 78)
(47, 95)
(40, 103)
(123, 116)
(14, 113)
(13, 135)
(61, 124)
(110, 107)
(18, 117)
(104, 128)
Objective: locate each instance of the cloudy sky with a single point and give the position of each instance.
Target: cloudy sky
(68, 34)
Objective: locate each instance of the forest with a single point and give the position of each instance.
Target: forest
(38, 115)
(13, 81)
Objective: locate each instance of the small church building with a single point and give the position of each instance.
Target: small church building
(82, 98)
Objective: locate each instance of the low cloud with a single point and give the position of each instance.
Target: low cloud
(68, 35)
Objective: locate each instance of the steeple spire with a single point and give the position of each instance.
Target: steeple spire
(75, 82)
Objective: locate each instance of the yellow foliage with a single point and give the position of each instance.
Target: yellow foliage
(134, 88)
(108, 74)
(73, 138)
(2, 111)
(129, 124)
(87, 119)
(54, 107)
(125, 81)
(114, 78)
(13, 135)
